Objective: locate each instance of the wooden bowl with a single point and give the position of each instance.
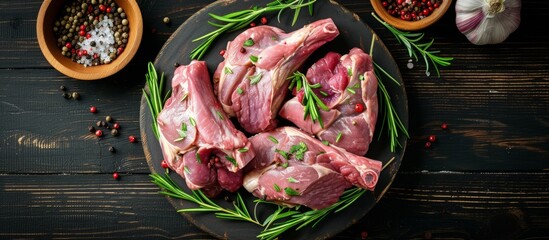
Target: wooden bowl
(48, 43)
(410, 25)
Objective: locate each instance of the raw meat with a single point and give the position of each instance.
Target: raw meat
(288, 152)
(197, 138)
(346, 81)
(251, 81)
(316, 186)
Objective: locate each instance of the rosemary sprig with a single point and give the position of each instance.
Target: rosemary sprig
(240, 19)
(390, 116)
(299, 220)
(412, 44)
(310, 100)
(170, 188)
(154, 94)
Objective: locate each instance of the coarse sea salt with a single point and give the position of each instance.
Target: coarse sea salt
(101, 42)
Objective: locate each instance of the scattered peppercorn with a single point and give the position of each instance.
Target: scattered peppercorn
(132, 139)
(63, 88)
(263, 20)
(93, 109)
(115, 175)
(114, 132)
(242, 50)
(428, 145)
(444, 126)
(98, 133)
(222, 52)
(176, 65)
(363, 235)
(98, 124)
(252, 24)
(75, 95)
(66, 95)
(104, 124)
(164, 164)
(91, 129)
(359, 107)
(166, 20)
(108, 118)
(432, 138)
(116, 126)
(112, 149)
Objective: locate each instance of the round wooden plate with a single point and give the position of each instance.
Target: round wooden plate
(353, 33)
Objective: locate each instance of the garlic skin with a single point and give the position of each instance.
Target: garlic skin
(487, 21)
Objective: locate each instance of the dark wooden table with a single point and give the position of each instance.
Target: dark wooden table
(485, 177)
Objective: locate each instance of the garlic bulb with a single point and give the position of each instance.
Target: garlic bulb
(487, 21)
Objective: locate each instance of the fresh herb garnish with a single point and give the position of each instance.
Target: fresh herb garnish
(170, 188)
(273, 139)
(389, 113)
(182, 132)
(390, 116)
(237, 20)
(349, 72)
(326, 143)
(153, 96)
(219, 115)
(299, 150)
(198, 159)
(232, 160)
(243, 150)
(283, 153)
(411, 42)
(184, 97)
(311, 101)
(227, 70)
(249, 42)
(253, 58)
(276, 187)
(292, 180)
(192, 121)
(291, 192)
(285, 164)
(239, 90)
(254, 79)
(351, 90)
(339, 135)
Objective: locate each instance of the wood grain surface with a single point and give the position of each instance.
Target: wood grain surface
(486, 177)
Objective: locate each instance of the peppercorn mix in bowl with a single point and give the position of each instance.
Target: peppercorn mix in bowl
(89, 39)
(410, 15)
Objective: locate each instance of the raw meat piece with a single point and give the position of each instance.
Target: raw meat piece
(346, 81)
(288, 152)
(251, 81)
(316, 186)
(197, 138)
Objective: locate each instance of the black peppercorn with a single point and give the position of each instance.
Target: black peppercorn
(66, 95)
(112, 149)
(114, 132)
(108, 119)
(91, 129)
(98, 123)
(63, 88)
(103, 124)
(75, 95)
